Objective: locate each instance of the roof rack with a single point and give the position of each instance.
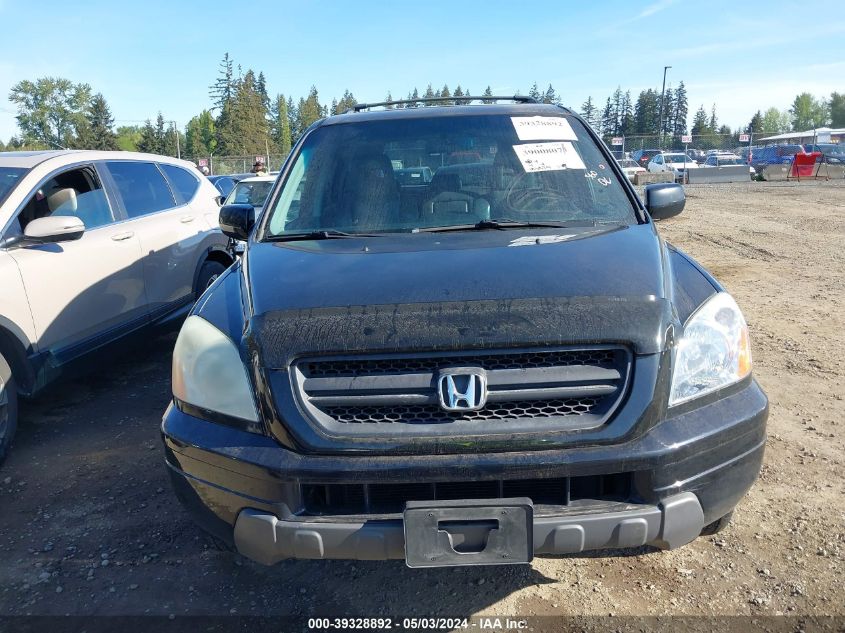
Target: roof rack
(358, 107)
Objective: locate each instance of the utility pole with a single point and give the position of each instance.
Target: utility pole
(662, 97)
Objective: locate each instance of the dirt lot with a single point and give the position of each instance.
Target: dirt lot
(88, 523)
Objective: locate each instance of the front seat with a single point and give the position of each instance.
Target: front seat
(450, 205)
(372, 193)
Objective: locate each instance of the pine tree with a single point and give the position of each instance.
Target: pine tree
(309, 111)
(100, 124)
(429, 94)
(261, 88)
(347, 102)
(221, 92)
(388, 99)
(679, 118)
(487, 93)
(459, 92)
(626, 114)
(551, 96)
(280, 125)
(588, 112)
(150, 142)
(333, 108)
(647, 112)
(444, 92)
(713, 124)
(756, 124)
(534, 93)
(608, 119)
(668, 107)
(699, 122)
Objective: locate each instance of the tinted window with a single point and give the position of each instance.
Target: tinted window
(141, 187)
(9, 177)
(182, 181)
(483, 167)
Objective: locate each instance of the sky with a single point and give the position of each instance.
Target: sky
(162, 56)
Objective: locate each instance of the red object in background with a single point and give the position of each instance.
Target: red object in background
(804, 164)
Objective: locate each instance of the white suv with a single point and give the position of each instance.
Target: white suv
(95, 246)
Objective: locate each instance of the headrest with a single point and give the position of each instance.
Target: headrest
(62, 199)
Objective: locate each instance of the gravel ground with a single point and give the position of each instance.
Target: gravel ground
(88, 523)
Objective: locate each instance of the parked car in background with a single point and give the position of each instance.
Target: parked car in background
(509, 362)
(723, 160)
(225, 184)
(697, 155)
(631, 168)
(833, 153)
(676, 162)
(643, 156)
(94, 247)
(762, 157)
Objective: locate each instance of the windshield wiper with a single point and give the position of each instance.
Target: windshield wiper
(502, 224)
(329, 234)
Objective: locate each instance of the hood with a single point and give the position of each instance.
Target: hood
(453, 290)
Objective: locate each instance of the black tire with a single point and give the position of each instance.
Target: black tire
(718, 525)
(8, 417)
(209, 272)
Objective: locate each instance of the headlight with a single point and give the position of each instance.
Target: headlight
(713, 352)
(208, 371)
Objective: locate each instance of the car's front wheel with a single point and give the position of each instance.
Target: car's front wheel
(209, 273)
(8, 414)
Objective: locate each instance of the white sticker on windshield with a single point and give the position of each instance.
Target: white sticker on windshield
(543, 128)
(548, 156)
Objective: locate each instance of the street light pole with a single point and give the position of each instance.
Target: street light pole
(662, 97)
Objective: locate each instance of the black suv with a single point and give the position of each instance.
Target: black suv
(504, 361)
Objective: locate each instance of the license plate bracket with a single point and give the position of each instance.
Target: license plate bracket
(469, 532)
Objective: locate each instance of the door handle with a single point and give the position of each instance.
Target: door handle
(186, 218)
(119, 237)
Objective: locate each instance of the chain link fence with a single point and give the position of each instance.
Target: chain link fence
(731, 142)
(225, 165)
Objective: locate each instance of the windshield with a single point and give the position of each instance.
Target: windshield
(627, 162)
(730, 160)
(677, 158)
(359, 177)
(9, 178)
(254, 193)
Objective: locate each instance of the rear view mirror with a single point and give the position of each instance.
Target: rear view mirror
(54, 228)
(664, 200)
(236, 220)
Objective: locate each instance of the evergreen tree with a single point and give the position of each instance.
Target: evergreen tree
(429, 93)
(609, 121)
(534, 93)
(149, 142)
(679, 118)
(222, 90)
(487, 93)
(551, 96)
(626, 115)
(459, 92)
(309, 111)
(647, 112)
(699, 122)
(261, 88)
(99, 125)
(713, 124)
(347, 102)
(333, 108)
(588, 112)
(444, 92)
(756, 124)
(280, 125)
(668, 107)
(200, 137)
(388, 98)
(836, 106)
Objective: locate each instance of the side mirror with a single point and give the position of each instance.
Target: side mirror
(237, 220)
(54, 228)
(664, 200)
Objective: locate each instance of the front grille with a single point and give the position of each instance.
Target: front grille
(399, 394)
(433, 414)
(344, 499)
(490, 362)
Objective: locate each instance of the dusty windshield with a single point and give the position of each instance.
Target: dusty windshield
(398, 175)
(252, 192)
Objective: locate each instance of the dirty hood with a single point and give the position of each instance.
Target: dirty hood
(455, 291)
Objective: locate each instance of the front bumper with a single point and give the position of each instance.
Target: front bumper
(686, 472)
